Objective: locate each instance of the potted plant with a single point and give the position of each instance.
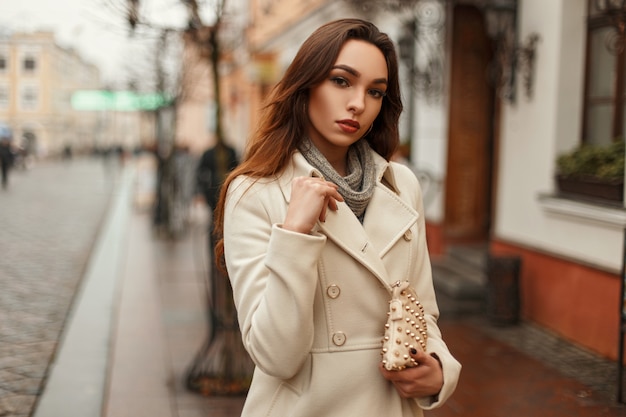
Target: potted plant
(595, 172)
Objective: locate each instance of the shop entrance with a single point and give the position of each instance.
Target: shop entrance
(468, 193)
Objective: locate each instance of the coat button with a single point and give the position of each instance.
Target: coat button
(333, 291)
(408, 235)
(339, 338)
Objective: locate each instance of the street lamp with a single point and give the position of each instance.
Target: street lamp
(611, 7)
(420, 50)
(615, 12)
(420, 47)
(510, 56)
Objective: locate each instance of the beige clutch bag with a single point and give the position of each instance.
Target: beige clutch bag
(405, 328)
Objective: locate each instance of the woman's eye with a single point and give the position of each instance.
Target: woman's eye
(377, 93)
(340, 81)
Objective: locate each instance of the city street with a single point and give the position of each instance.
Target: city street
(62, 222)
(121, 119)
(50, 217)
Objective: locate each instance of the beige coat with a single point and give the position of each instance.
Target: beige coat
(312, 308)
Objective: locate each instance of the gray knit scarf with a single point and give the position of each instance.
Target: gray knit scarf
(357, 187)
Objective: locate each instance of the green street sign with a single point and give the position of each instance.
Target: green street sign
(96, 100)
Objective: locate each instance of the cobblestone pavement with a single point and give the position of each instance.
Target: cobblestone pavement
(523, 370)
(49, 220)
(598, 374)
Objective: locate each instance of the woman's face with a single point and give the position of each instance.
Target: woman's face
(343, 106)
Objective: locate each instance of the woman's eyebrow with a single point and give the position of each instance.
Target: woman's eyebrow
(347, 69)
(356, 73)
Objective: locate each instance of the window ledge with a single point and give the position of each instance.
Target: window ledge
(614, 217)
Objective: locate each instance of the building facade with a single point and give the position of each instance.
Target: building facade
(572, 249)
(37, 80)
(494, 92)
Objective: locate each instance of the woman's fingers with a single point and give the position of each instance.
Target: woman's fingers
(322, 216)
(424, 380)
(330, 202)
(311, 197)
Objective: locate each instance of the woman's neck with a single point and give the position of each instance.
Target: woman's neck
(337, 156)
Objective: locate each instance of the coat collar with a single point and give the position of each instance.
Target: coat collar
(387, 218)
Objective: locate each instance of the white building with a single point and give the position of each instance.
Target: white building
(490, 142)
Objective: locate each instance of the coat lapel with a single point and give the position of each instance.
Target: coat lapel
(343, 228)
(387, 218)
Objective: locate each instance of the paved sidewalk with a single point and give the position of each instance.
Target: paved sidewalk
(138, 322)
(162, 325)
(516, 371)
(524, 371)
(140, 318)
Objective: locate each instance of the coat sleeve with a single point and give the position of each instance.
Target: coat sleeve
(273, 273)
(422, 281)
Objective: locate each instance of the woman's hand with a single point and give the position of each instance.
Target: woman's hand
(424, 380)
(310, 198)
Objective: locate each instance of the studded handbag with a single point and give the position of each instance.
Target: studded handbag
(405, 329)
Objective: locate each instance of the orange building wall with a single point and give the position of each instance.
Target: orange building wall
(577, 302)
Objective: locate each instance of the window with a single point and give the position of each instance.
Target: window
(29, 64)
(29, 98)
(594, 171)
(4, 97)
(604, 93)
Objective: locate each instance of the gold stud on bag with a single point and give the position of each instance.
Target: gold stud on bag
(405, 329)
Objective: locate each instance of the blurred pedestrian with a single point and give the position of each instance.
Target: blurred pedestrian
(67, 152)
(222, 367)
(6, 160)
(213, 167)
(317, 225)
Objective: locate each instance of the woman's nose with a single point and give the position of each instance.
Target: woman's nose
(356, 104)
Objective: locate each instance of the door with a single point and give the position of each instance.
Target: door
(470, 133)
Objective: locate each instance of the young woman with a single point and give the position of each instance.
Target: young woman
(317, 225)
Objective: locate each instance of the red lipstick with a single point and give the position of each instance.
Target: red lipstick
(349, 126)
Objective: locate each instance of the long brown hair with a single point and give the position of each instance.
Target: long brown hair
(284, 118)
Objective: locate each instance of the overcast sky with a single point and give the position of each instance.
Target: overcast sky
(93, 27)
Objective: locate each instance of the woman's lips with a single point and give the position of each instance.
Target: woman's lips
(349, 126)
